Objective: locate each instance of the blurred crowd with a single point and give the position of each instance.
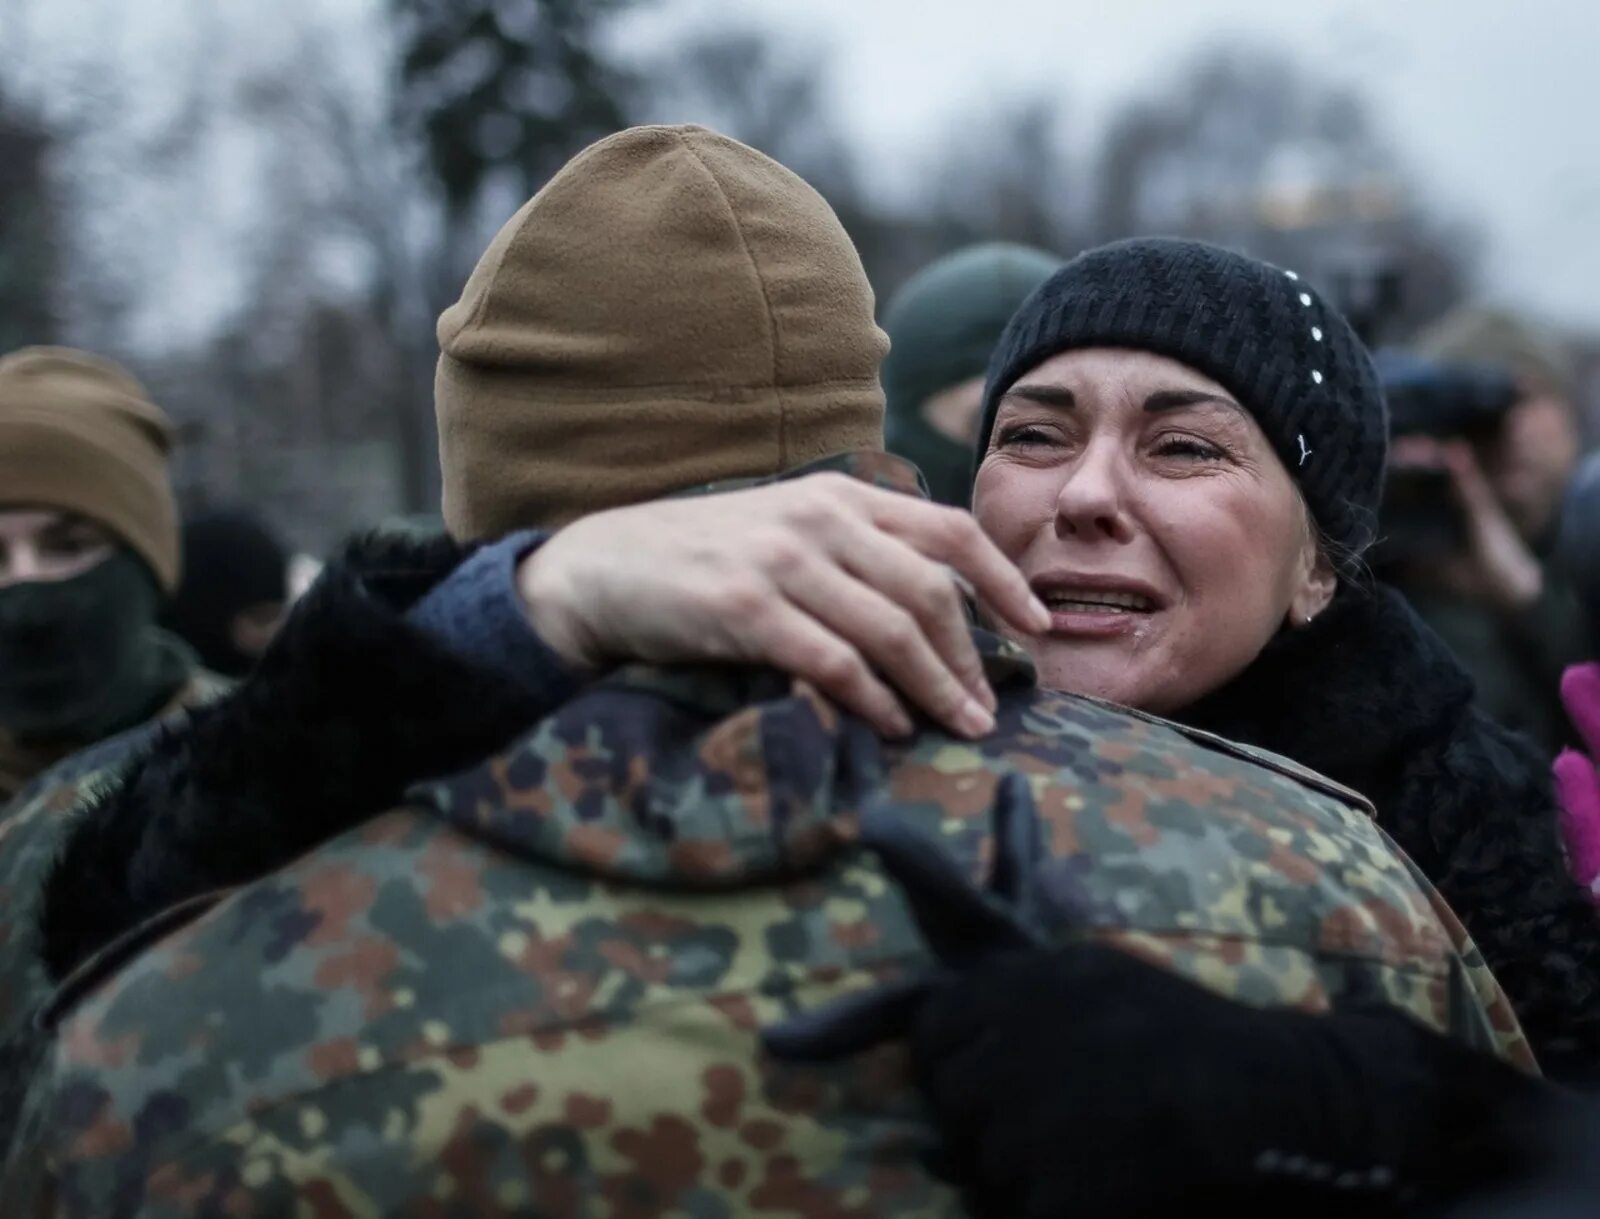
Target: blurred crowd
(1087, 734)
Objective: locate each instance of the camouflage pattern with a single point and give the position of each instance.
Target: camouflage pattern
(34, 824)
(537, 988)
(33, 828)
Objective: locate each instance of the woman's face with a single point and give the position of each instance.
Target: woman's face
(1149, 512)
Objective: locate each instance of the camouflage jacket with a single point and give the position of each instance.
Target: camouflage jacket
(536, 987)
(34, 824)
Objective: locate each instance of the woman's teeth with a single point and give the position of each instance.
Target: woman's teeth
(1099, 603)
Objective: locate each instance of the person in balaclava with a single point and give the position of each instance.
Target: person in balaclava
(942, 325)
(88, 552)
(235, 589)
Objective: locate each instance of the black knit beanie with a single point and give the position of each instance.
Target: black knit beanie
(1283, 351)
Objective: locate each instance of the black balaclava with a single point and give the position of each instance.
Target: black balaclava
(231, 562)
(82, 658)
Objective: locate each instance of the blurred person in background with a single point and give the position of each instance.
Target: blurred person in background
(942, 325)
(1488, 584)
(88, 552)
(1578, 543)
(235, 589)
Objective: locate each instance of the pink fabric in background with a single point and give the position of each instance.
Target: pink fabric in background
(1577, 782)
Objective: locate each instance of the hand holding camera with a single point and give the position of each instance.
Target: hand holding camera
(1441, 515)
(1492, 563)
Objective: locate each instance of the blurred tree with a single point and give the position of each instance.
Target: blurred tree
(346, 270)
(1000, 177)
(510, 87)
(744, 81)
(30, 253)
(312, 398)
(1004, 175)
(1244, 149)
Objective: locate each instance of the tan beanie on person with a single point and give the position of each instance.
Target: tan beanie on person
(79, 434)
(672, 309)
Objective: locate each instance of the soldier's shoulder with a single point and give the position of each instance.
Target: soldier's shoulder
(1039, 725)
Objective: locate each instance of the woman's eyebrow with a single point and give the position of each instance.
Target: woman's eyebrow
(1043, 395)
(1176, 399)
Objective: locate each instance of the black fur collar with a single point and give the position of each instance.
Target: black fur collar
(1353, 696)
(350, 705)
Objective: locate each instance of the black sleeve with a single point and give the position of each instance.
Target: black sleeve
(350, 706)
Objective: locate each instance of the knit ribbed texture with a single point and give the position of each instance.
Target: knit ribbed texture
(1261, 332)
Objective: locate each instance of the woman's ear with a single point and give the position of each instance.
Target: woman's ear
(1317, 584)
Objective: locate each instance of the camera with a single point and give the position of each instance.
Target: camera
(1419, 517)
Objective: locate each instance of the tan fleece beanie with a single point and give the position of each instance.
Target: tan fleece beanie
(79, 434)
(672, 309)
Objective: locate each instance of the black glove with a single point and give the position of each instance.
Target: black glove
(1082, 1081)
(1539, 1158)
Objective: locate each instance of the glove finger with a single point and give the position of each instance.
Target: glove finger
(960, 923)
(1580, 695)
(848, 1025)
(1019, 846)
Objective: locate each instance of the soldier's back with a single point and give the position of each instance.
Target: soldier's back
(538, 988)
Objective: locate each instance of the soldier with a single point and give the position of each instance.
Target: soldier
(425, 920)
(88, 551)
(942, 325)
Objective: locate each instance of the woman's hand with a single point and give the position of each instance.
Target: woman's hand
(848, 586)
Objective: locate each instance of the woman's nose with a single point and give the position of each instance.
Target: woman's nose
(1092, 504)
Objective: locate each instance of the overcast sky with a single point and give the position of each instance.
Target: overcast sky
(1493, 102)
